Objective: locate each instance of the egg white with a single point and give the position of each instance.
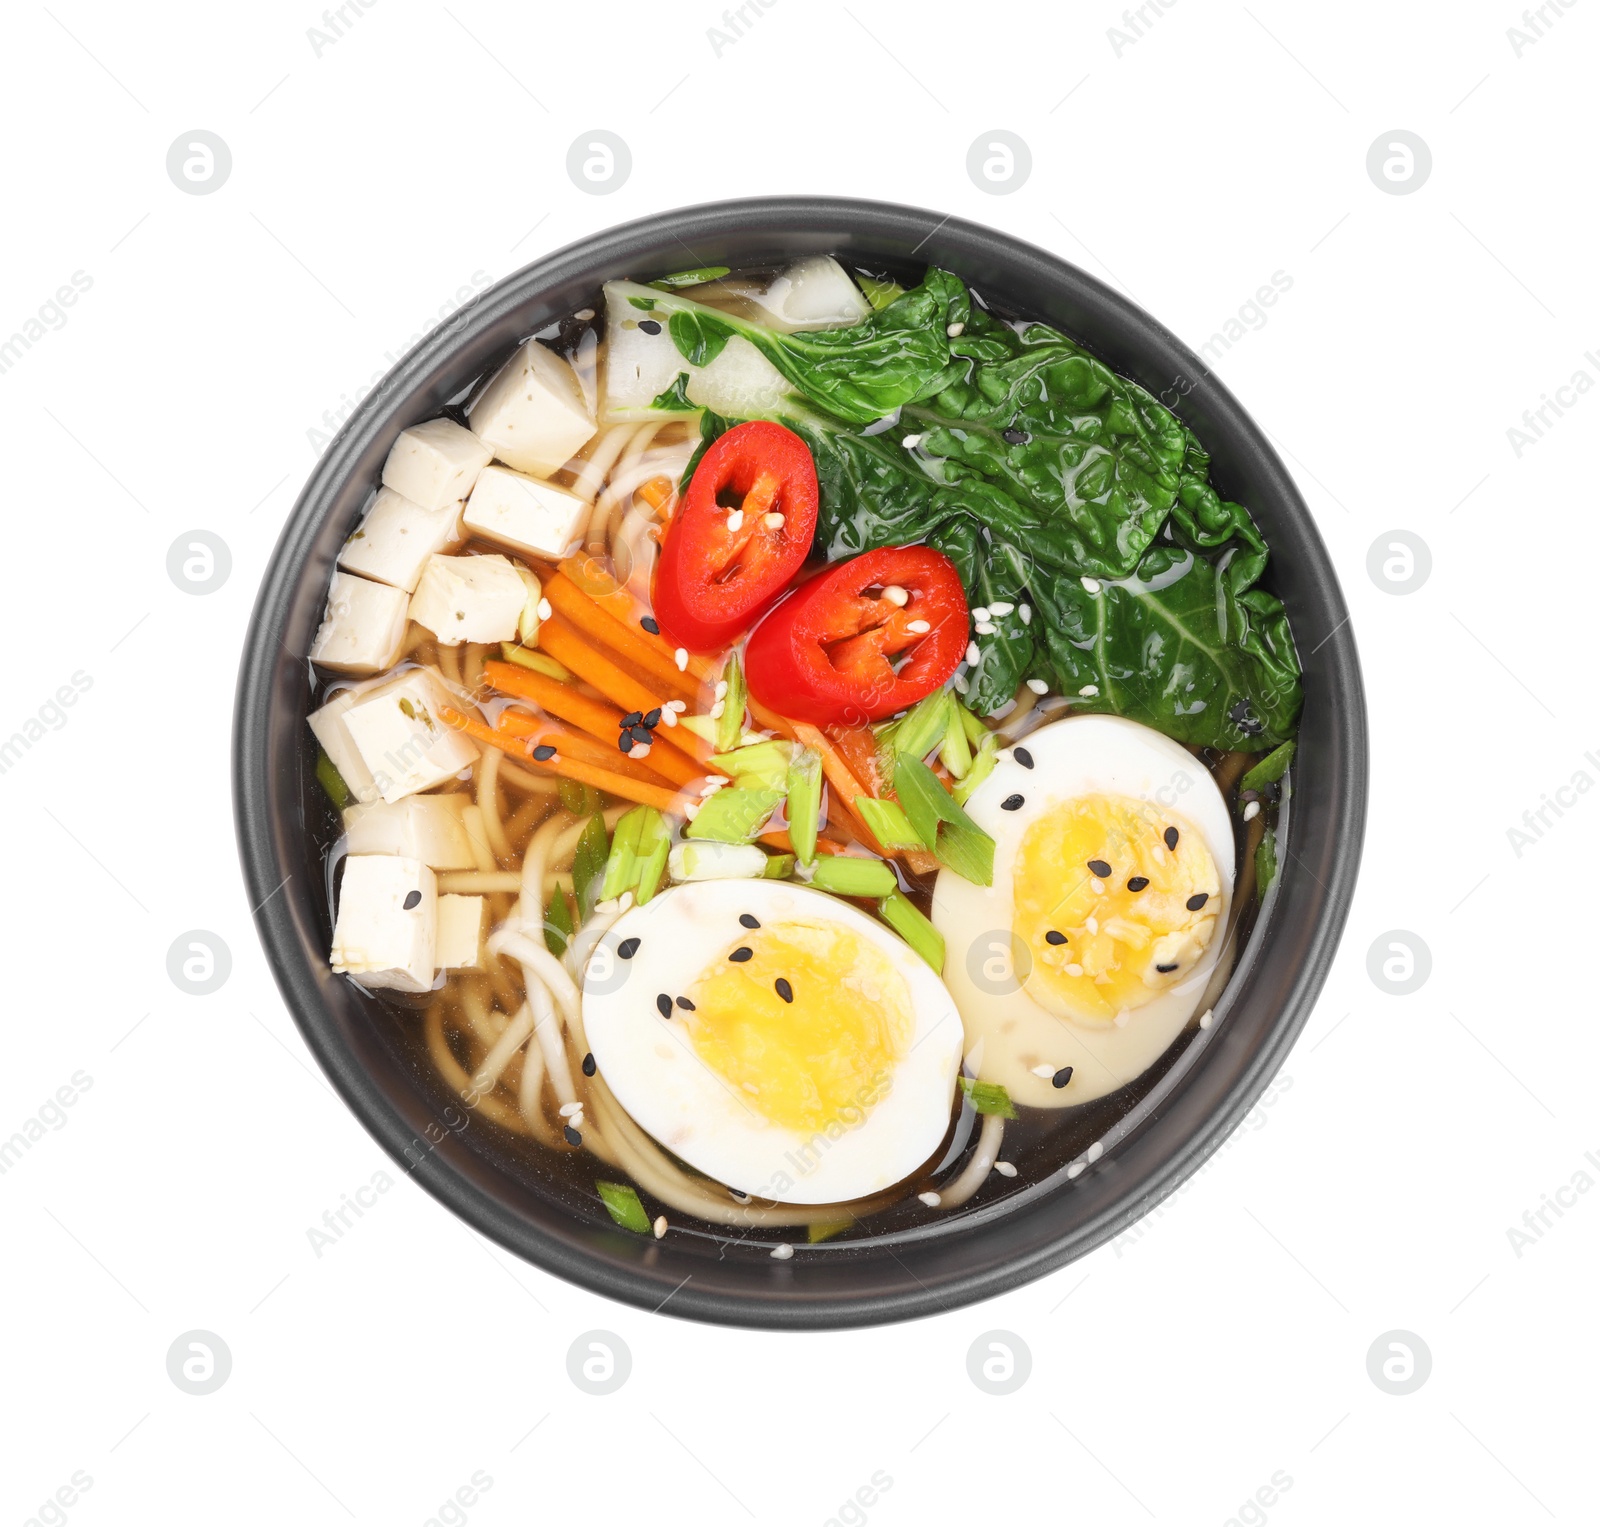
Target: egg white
(1008, 1033)
(652, 1067)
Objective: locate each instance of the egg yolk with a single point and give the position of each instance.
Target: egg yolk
(806, 1027)
(1115, 900)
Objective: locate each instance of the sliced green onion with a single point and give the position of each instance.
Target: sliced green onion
(988, 1097)
(762, 764)
(850, 875)
(889, 824)
(332, 781)
(819, 1231)
(589, 864)
(539, 662)
(702, 727)
(622, 863)
(955, 751)
(957, 841)
(571, 795)
(528, 620)
(655, 839)
(879, 292)
(695, 277)
(982, 767)
(730, 724)
(558, 924)
(973, 726)
(622, 1204)
(900, 912)
(1266, 863)
(733, 815)
(804, 803)
(1271, 768)
(716, 861)
(918, 732)
(779, 867)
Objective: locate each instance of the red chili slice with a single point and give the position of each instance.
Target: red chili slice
(841, 649)
(726, 557)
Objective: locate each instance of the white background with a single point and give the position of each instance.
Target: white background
(1174, 1373)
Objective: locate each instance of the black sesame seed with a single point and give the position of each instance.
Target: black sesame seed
(1055, 936)
(633, 718)
(651, 718)
(650, 326)
(544, 751)
(412, 899)
(1011, 803)
(625, 742)
(783, 989)
(741, 954)
(1099, 867)
(627, 948)
(1062, 1077)
(642, 736)
(747, 921)
(1198, 900)
(1170, 837)
(588, 1065)
(664, 1004)
(649, 623)
(686, 1004)
(1138, 883)
(1023, 757)
(572, 1136)
(1166, 970)
(1014, 436)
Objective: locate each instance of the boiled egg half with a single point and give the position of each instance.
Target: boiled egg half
(1113, 876)
(774, 1038)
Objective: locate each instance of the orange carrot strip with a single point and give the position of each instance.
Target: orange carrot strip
(617, 602)
(631, 642)
(568, 648)
(524, 732)
(570, 768)
(592, 716)
(655, 492)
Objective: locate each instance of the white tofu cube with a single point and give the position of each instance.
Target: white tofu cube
(396, 537)
(435, 464)
(363, 628)
(525, 513)
(333, 736)
(533, 415)
(402, 740)
(461, 920)
(469, 599)
(431, 828)
(387, 930)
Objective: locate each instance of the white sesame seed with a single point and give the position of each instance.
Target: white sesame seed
(1026, 612)
(711, 786)
(736, 520)
(984, 628)
(1091, 585)
(773, 520)
(1094, 1152)
(721, 689)
(624, 901)
(782, 1251)
(960, 684)
(954, 329)
(1205, 1018)
(1252, 810)
(918, 627)
(1074, 970)
(544, 609)
(692, 810)
(1075, 1169)
(681, 658)
(639, 750)
(660, 1226)
(1005, 1169)
(1044, 1071)
(1091, 923)
(1098, 886)
(932, 1200)
(1038, 686)
(668, 717)
(972, 654)
(1000, 607)
(1089, 691)
(979, 612)
(568, 1109)
(583, 315)
(716, 710)
(896, 595)
(911, 442)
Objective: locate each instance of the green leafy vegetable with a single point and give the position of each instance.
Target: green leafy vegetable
(1266, 863)
(623, 1205)
(957, 841)
(332, 782)
(850, 875)
(701, 273)
(733, 815)
(558, 924)
(1271, 768)
(803, 803)
(988, 1097)
(900, 912)
(647, 303)
(589, 864)
(888, 823)
(676, 398)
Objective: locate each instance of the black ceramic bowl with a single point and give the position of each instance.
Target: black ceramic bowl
(461, 1160)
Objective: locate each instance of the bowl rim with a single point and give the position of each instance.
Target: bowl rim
(1340, 841)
